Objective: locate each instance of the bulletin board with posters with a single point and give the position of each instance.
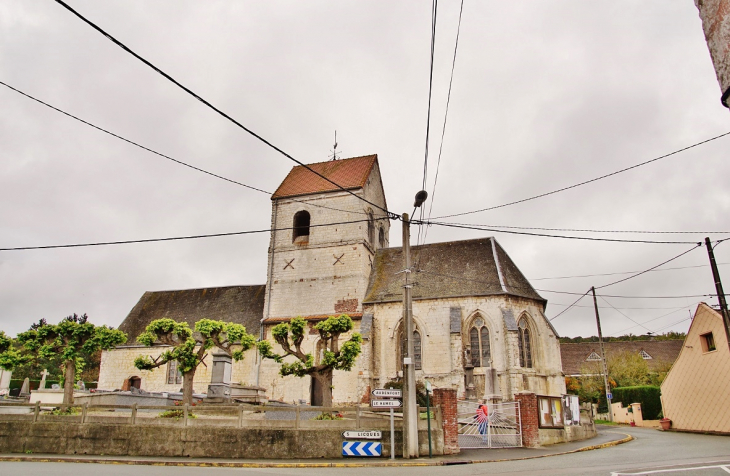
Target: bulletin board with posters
(550, 410)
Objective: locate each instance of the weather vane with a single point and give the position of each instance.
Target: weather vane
(334, 149)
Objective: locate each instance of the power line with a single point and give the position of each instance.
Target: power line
(650, 269)
(446, 115)
(627, 317)
(674, 324)
(624, 272)
(180, 162)
(553, 303)
(663, 315)
(434, 8)
(569, 237)
(582, 230)
(175, 238)
(221, 113)
(568, 308)
(587, 181)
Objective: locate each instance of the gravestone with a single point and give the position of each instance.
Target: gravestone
(81, 385)
(42, 385)
(55, 386)
(25, 389)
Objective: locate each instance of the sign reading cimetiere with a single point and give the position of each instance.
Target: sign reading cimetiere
(387, 393)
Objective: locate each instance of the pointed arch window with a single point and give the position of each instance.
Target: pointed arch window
(381, 237)
(301, 227)
(525, 343)
(481, 354)
(417, 350)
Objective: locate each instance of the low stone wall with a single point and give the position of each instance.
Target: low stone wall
(59, 437)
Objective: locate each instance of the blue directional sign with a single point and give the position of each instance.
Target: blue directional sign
(362, 448)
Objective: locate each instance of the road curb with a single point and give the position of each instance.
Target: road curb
(344, 464)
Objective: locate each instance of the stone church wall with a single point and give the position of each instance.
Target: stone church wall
(117, 365)
(443, 350)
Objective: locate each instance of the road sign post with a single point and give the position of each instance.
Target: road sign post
(392, 394)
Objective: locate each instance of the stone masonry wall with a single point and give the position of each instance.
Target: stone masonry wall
(442, 352)
(715, 15)
(117, 365)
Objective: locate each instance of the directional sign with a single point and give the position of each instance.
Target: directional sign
(609, 396)
(363, 435)
(387, 392)
(385, 403)
(362, 448)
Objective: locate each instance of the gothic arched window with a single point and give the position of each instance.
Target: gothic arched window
(301, 227)
(381, 237)
(481, 355)
(417, 350)
(525, 343)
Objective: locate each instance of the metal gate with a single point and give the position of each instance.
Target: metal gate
(502, 429)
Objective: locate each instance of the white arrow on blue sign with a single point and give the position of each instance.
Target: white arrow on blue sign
(362, 448)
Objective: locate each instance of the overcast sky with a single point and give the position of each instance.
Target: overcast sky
(545, 94)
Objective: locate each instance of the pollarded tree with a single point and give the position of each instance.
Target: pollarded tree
(189, 350)
(69, 338)
(334, 357)
(9, 355)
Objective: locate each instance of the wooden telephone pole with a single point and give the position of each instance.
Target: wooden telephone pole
(718, 288)
(603, 356)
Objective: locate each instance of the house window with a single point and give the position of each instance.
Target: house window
(417, 350)
(645, 355)
(481, 355)
(708, 342)
(301, 227)
(593, 357)
(371, 228)
(174, 376)
(524, 343)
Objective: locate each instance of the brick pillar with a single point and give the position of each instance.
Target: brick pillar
(529, 418)
(446, 399)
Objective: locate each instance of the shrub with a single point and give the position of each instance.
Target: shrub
(647, 395)
(328, 416)
(176, 414)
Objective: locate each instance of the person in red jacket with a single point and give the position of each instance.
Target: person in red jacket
(482, 418)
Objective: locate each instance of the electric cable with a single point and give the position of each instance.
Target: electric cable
(583, 230)
(570, 237)
(625, 272)
(175, 238)
(180, 162)
(446, 115)
(220, 112)
(434, 9)
(584, 182)
(663, 315)
(627, 317)
(650, 269)
(569, 307)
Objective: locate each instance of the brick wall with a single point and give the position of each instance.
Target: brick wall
(446, 399)
(529, 418)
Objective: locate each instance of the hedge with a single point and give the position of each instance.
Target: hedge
(647, 395)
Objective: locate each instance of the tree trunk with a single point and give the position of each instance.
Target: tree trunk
(68, 382)
(324, 378)
(188, 386)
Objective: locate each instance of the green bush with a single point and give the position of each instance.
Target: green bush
(647, 395)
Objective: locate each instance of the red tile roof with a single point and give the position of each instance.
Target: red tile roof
(347, 173)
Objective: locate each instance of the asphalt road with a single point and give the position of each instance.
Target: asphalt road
(652, 452)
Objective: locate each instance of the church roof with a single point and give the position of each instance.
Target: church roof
(240, 304)
(347, 173)
(457, 268)
(659, 352)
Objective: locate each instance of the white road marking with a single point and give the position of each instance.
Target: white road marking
(723, 467)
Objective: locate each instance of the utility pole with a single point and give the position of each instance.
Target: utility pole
(603, 356)
(718, 288)
(410, 406)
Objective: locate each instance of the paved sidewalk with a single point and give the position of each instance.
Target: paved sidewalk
(607, 436)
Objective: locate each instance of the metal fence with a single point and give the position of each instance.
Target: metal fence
(502, 428)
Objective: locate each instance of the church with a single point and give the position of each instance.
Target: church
(480, 327)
